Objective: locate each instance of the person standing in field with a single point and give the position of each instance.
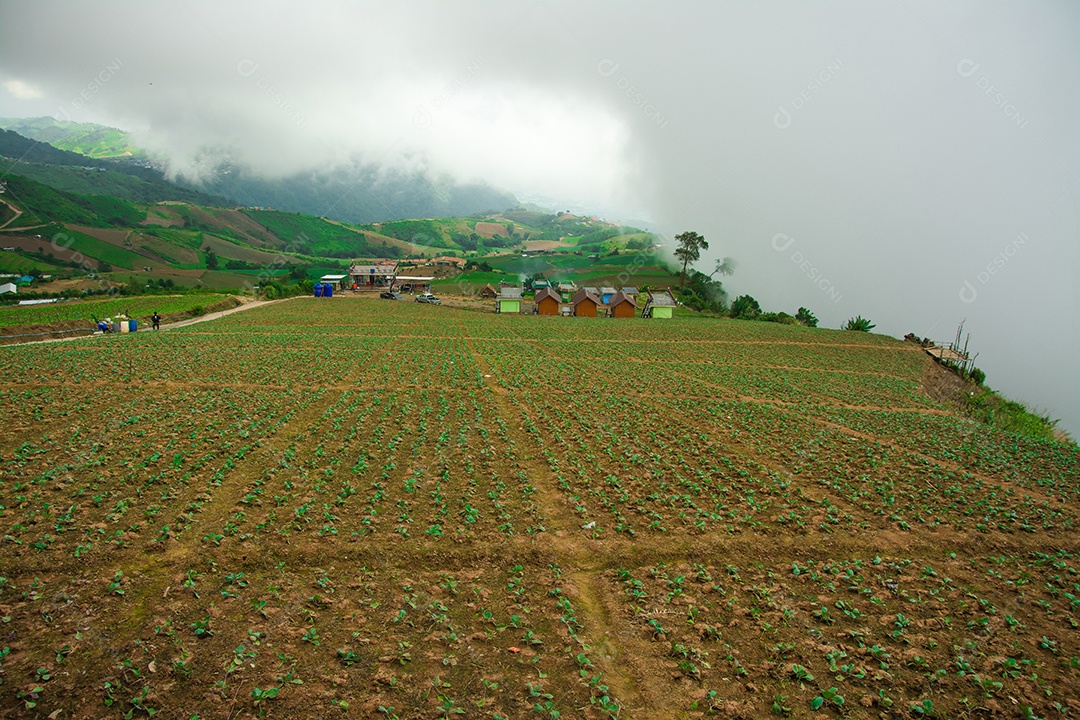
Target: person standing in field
(156, 320)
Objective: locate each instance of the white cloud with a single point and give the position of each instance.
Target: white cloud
(22, 90)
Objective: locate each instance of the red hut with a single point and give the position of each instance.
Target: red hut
(622, 305)
(547, 302)
(585, 303)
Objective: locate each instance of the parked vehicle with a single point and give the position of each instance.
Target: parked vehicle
(390, 295)
(428, 298)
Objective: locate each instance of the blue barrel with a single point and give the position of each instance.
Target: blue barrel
(328, 290)
(133, 325)
(318, 289)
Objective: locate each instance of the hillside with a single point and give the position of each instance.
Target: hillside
(136, 239)
(72, 172)
(321, 507)
(88, 139)
(352, 192)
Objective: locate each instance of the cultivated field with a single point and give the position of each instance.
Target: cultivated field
(355, 508)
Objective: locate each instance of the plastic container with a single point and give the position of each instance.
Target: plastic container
(328, 290)
(133, 325)
(318, 290)
(122, 326)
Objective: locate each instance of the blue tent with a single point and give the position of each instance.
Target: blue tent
(24, 280)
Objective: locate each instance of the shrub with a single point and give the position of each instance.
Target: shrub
(858, 324)
(745, 307)
(781, 317)
(805, 317)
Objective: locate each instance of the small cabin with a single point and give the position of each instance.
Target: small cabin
(585, 303)
(509, 300)
(622, 305)
(489, 292)
(659, 305)
(606, 293)
(547, 302)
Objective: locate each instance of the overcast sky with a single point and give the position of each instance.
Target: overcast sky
(913, 162)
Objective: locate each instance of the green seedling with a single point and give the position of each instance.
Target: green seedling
(831, 696)
(202, 627)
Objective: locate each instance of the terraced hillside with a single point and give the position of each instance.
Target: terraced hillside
(354, 508)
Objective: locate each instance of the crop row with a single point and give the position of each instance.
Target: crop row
(889, 634)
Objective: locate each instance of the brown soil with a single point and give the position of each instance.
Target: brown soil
(227, 489)
(490, 229)
(945, 386)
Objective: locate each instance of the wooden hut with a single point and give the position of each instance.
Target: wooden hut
(659, 305)
(622, 305)
(489, 292)
(547, 302)
(585, 303)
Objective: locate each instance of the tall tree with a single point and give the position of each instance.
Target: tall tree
(690, 246)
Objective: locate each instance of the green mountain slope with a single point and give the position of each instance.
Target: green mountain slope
(353, 192)
(89, 139)
(75, 235)
(76, 173)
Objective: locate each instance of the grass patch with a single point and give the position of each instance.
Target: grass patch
(990, 408)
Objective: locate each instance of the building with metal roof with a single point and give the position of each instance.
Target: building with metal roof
(509, 300)
(660, 304)
(373, 273)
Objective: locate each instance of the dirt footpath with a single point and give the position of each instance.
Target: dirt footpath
(245, 305)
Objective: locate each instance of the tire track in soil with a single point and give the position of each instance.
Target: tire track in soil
(566, 545)
(527, 449)
(785, 407)
(811, 492)
(616, 653)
